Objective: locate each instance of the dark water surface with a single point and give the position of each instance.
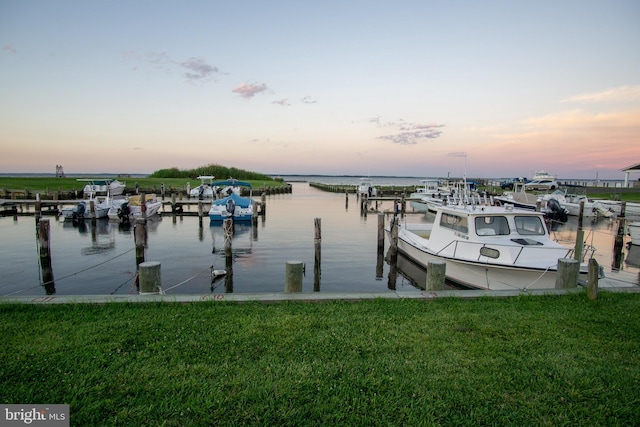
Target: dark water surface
(101, 260)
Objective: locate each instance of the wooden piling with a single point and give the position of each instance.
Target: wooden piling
(436, 271)
(393, 255)
(317, 243)
(263, 204)
(577, 254)
(594, 274)
(567, 274)
(150, 277)
(380, 232)
(45, 256)
(140, 240)
(293, 276)
(618, 242)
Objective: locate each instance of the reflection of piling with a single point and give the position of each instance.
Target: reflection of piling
(393, 255)
(618, 242)
(567, 274)
(293, 276)
(579, 234)
(380, 252)
(317, 243)
(346, 200)
(45, 256)
(592, 286)
(200, 213)
(227, 229)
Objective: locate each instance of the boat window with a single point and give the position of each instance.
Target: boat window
(489, 252)
(530, 225)
(454, 222)
(492, 226)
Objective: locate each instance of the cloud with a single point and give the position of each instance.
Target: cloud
(198, 69)
(308, 100)
(623, 93)
(248, 90)
(9, 48)
(408, 133)
(284, 102)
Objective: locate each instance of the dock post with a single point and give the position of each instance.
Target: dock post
(380, 232)
(436, 273)
(393, 255)
(45, 256)
(594, 272)
(150, 278)
(317, 243)
(618, 242)
(346, 199)
(263, 204)
(293, 276)
(140, 239)
(200, 212)
(38, 207)
(92, 210)
(567, 274)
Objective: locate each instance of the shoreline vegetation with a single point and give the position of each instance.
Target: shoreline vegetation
(543, 360)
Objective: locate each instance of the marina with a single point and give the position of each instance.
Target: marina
(100, 259)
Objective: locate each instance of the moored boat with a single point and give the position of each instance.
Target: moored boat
(633, 228)
(488, 247)
(205, 190)
(102, 187)
(129, 208)
(232, 205)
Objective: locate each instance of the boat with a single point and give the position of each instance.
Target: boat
(551, 207)
(129, 208)
(633, 228)
(205, 190)
(543, 175)
(102, 187)
(571, 202)
(82, 210)
(232, 204)
(431, 190)
(366, 188)
(487, 247)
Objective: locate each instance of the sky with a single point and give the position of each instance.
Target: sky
(405, 88)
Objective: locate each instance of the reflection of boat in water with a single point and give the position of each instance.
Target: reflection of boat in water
(417, 275)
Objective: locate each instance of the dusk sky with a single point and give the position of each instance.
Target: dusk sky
(406, 88)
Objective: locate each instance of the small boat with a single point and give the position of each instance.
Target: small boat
(366, 188)
(488, 247)
(82, 210)
(571, 202)
(102, 187)
(551, 207)
(232, 204)
(205, 190)
(129, 208)
(430, 191)
(633, 228)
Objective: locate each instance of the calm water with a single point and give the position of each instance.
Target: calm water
(101, 260)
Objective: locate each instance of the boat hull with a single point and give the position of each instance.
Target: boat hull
(634, 232)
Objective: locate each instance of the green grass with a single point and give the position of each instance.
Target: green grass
(533, 360)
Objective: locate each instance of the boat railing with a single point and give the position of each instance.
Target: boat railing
(459, 245)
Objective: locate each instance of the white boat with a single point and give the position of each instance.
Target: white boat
(633, 228)
(631, 209)
(571, 202)
(205, 190)
(366, 188)
(232, 205)
(82, 210)
(551, 208)
(487, 247)
(130, 208)
(543, 175)
(101, 187)
(431, 190)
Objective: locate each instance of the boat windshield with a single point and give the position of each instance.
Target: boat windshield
(454, 222)
(492, 226)
(529, 226)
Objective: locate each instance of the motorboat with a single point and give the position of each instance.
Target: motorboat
(231, 204)
(82, 210)
(205, 190)
(571, 202)
(551, 207)
(633, 228)
(366, 188)
(431, 190)
(129, 208)
(488, 247)
(101, 187)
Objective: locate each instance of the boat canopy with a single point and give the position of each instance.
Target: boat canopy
(232, 182)
(243, 202)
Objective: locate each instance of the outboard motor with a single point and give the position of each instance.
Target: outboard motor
(123, 212)
(78, 212)
(555, 211)
(230, 206)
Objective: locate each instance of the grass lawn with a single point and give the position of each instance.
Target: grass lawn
(531, 360)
